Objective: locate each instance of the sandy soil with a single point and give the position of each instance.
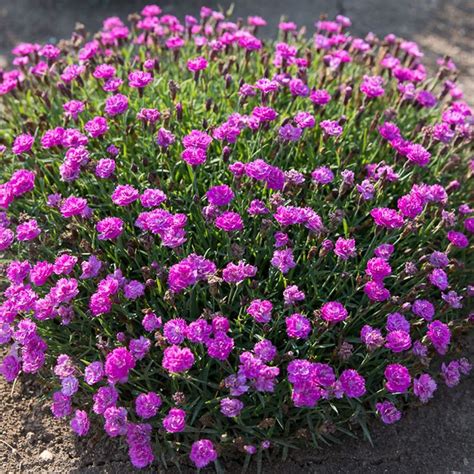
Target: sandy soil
(438, 438)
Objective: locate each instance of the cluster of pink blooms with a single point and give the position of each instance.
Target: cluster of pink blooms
(242, 247)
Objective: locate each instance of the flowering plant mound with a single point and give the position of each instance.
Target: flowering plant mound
(214, 242)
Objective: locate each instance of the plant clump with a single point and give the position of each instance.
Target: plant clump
(214, 242)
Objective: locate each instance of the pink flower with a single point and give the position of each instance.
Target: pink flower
(116, 104)
(372, 86)
(283, 260)
(124, 194)
(29, 230)
(105, 168)
(175, 420)
(74, 206)
(139, 79)
(388, 218)
(177, 359)
(229, 221)
(147, 405)
(345, 248)
(220, 195)
(202, 453)
(80, 423)
(388, 412)
(439, 335)
(73, 108)
(197, 64)
(458, 239)
(118, 364)
(398, 379)
(376, 291)
(260, 310)
(418, 155)
(352, 383)
(23, 143)
(298, 326)
(96, 127)
(194, 156)
(331, 128)
(333, 312)
(109, 228)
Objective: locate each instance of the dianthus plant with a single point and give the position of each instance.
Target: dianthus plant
(214, 242)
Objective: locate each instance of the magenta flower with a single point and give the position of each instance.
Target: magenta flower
(29, 230)
(333, 312)
(322, 175)
(118, 364)
(320, 97)
(424, 387)
(388, 218)
(298, 326)
(139, 444)
(21, 182)
(94, 373)
(22, 143)
(264, 114)
(424, 309)
(371, 337)
(288, 133)
(80, 423)
(229, 221)
(331, 128)
(220, 346)
(202, 453)
(177, 359)
(197, 64)
(378, 269)
(372, 86)
(139, 79)
(283, 260)
(458, 239)
(175, 420)
(109, 228)
(74, 206)
(439, 278)
(96, 127)
(376, 291)
(175, 330)
(345, 248)
(231, 407)
(147, 405)
(133, 290)
(388, 412)
(352, 383)
(397, 377)
(194, 156)
(439, 335)
(220, 195)
(418, 155)
(398, 341)
(116, 104)
(260, 310)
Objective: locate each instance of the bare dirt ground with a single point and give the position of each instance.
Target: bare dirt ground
(438, 438)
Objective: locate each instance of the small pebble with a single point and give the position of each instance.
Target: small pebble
(46, 456)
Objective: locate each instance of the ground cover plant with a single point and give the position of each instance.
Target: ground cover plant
(214, 243)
